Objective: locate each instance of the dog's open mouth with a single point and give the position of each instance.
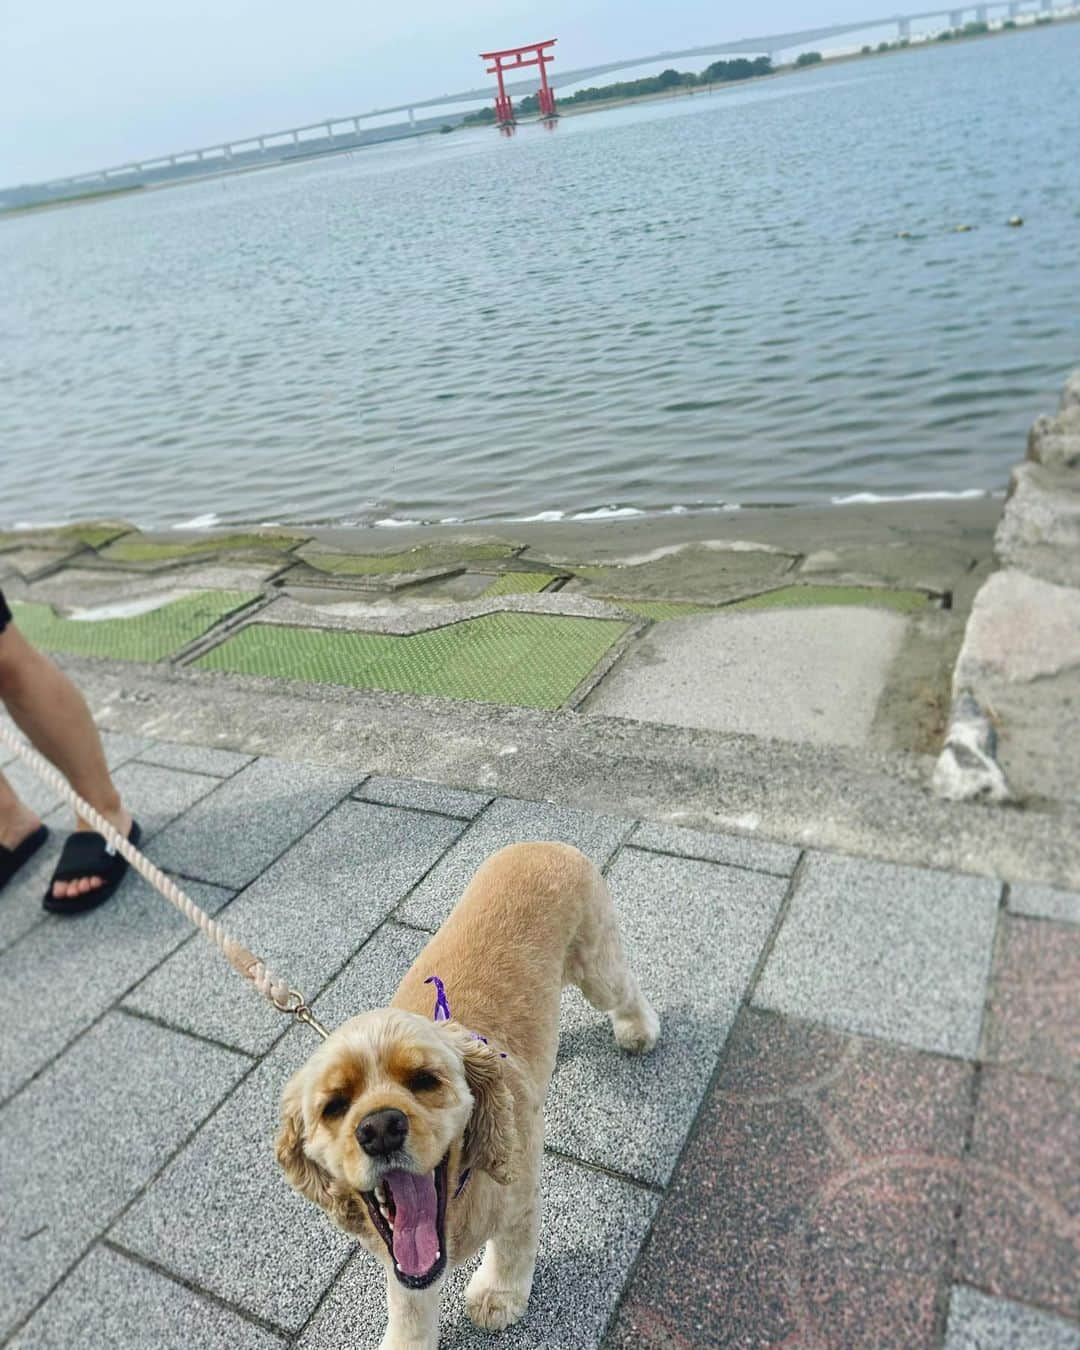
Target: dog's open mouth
(409, 1211)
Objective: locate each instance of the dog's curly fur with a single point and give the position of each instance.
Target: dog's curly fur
(534, 917)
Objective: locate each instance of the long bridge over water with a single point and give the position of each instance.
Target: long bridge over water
(331, 134)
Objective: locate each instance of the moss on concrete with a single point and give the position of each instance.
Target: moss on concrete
(800, 597)
(531, 660)
(143, 637)
(136, 548)
(421, 559)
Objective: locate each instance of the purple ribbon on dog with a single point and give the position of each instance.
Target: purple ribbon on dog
(442, 1008)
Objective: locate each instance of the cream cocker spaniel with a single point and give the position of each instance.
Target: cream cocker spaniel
(423, 1135)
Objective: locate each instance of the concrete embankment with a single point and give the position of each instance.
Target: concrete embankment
(786, 673)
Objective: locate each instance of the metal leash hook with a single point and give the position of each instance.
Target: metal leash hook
(300, 1010)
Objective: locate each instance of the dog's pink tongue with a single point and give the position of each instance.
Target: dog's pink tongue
(416, 1212)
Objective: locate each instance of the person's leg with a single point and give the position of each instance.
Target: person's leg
(53, 715)
(17, 821)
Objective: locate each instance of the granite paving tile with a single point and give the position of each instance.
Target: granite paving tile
(591, 1230)
(65, 972)
(1033, 1017)
(693, 932)
(37, 794)
(77, 1145)
(424, 796)
(156, 796)
(977, 1321)
(1020, 1234)
(195, 758)
(239, 829)
(508, 822)
(738, 851)
(1045, 902)
(305, 916)
(222, 1216)
(897, 952)
(816, 1201)
(114, 1303)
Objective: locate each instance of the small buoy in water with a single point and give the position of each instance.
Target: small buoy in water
(1016, 220)
(903, 234)
(962, 229)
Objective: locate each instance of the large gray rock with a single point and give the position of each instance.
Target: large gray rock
(1021, 629)
(1040, 527)
(1055, 441)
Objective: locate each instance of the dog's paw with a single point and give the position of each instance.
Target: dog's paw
(637, 1032)
(494, 1309)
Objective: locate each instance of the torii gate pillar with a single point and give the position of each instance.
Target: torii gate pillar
(517, 58)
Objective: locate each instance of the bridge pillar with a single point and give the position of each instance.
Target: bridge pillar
(956, 19)
(903, 27)
(1046, 6)
(1014, 8)
(296, 138)
(980, 13)
(412, 117)
(356, 125)
(329, 131)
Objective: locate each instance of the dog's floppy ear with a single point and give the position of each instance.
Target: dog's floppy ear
(305, 1175)
(491, 1134)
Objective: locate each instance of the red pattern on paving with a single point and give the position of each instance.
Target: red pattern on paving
(837, 1187)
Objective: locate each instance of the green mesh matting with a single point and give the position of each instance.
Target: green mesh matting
(518, 583)
(144, 637)
(136, 549)
(662, 609)
(533, 660)
(411, 560)
(798, 597)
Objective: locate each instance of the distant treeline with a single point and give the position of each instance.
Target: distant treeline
(720, 72)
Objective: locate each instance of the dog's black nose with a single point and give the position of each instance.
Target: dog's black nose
(382, 1132)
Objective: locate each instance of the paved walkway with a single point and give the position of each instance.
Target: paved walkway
(860, 1127)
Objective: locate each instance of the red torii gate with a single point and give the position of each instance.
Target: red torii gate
(502, 63)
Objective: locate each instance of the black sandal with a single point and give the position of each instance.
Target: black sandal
(11, 859)
(86, 854)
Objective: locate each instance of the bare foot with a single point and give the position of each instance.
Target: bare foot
(68, 890)
(17, 825)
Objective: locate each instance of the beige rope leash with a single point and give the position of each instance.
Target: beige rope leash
(245, 962)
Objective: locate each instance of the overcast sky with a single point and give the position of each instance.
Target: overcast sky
(87, 83)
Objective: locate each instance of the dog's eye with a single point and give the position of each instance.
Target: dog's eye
(423, 1081)
(336, 1106)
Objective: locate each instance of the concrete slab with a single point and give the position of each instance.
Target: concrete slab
(1018, 1222)
(77, 1145)
(816, 1203)
(508, 822)
(249, 820)
(802, 675)
(156, 796)
(218, 1216)
(978, 1321)
(65, 972)
(195, 759)
(693, 932)
(306, 916)
(758, 855)
(591, 1230)
(1044, 902)
(888, 951)
(410, 792)
(1033, 1016)
(111, 1301)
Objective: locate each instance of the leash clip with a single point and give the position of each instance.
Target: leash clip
(300, 1010)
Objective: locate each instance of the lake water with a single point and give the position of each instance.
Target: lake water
(693, 303)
